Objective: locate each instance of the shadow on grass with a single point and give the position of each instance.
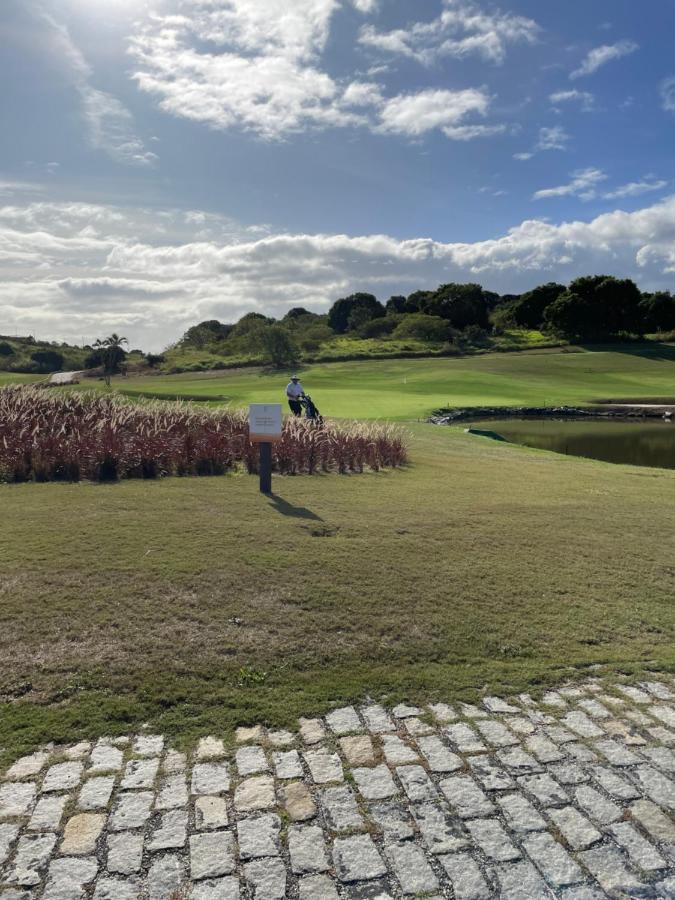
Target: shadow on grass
(287, 509)
(655, 350)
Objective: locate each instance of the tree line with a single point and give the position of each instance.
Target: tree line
(593, 308)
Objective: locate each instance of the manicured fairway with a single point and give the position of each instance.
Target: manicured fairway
(196, 604)
(411, 389)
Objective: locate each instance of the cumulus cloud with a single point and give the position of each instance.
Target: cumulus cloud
(600, 56)
(585, 99)
(257, 65)
(109, 124)
(415, 114)
(74, 270)
(583, 184)
(461, 30)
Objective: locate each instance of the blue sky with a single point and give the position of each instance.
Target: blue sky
(165, 161)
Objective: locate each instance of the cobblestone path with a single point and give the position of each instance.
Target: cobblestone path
(569, 797)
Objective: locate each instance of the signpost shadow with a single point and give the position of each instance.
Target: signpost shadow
(287, 509)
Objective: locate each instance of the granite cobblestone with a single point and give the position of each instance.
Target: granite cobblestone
(569, 796)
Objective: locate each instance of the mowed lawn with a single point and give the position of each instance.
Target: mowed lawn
(410, 389)
(198, 604)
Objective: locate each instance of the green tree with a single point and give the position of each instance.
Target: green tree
(6, 349)
(460, 304)
(658, 311)
(113, 355)
(596, 307)
(47, 361)
(396, 304)
(278, 345)
(206, 333)
(341, 310)
(415, 301)
(528, 309)
(153, 360)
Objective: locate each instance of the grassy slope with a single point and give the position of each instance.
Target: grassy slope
(409, 389)
(198, 604)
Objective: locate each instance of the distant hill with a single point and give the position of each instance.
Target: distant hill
(25, 354)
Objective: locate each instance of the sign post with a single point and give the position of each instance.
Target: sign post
(264, 425)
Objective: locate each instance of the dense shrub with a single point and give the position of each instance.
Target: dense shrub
(377, 328)
(47, 361)
(432, 329)
(6, 349)
(68, 436)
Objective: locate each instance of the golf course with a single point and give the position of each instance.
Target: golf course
(197, 604)
(409, 389)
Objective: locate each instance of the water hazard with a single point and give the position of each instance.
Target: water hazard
(637, 443)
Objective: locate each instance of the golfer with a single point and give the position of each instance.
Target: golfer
(294, 392)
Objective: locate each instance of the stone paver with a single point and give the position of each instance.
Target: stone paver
(125, 851)
(357, 859)
(48, 813)
(96, 792)
(551, 858)
(307, 848)
(210, 813)
(297, 801)
(81, 834)
(259, 836)
(211, 854)
(211, 778)
(569, 797)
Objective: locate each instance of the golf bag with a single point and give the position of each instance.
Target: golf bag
(311, 411)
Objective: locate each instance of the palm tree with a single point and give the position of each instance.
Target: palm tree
(112, 354)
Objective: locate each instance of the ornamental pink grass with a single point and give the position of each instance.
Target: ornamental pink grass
(103, 437)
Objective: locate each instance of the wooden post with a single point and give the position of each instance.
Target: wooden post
(265, 467)
(265, 425)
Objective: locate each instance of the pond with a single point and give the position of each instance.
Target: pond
(637, 443)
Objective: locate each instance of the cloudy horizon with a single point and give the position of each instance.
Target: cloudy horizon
(180, 160)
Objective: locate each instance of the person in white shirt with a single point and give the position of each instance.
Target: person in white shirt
(294, 392)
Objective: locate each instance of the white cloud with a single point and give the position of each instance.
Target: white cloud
(363, 93)
(582, 185)
(109, 124)
(365, 6)
(461, 30)
(554, 138)
(265, 75)
(668, 94)
(584, 98)
(73, 270)
(415, 114)
(600, 56)
(636, 188)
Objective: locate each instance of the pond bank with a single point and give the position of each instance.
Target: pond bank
(600, 411)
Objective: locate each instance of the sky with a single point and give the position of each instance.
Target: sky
(163, 162)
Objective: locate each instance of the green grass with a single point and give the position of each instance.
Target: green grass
(16, 378)
(410, 389)
(198, 604)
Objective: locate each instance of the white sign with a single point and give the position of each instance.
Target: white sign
(264, 422)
